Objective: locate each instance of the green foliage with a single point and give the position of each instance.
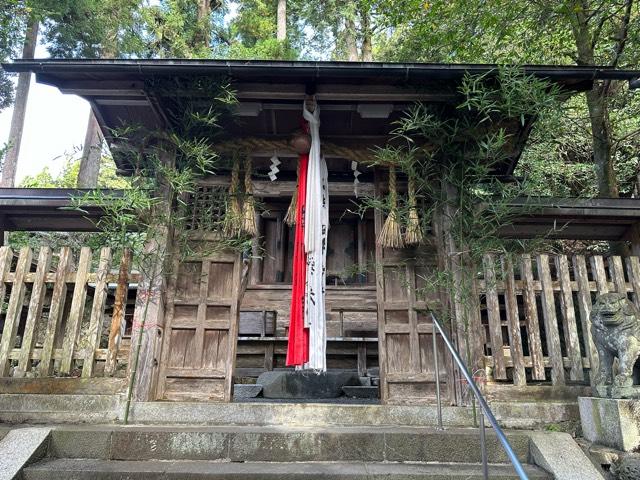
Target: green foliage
(67, 178)
(93, 28)
(174, 30)
(167, 170)
(68, 175)
(452, 157)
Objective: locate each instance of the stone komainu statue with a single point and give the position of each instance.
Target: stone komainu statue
(615, 326)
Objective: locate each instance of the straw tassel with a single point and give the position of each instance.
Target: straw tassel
(233, 218)
(391, 235)
(413, 235)
(290, 217)
(249, 223)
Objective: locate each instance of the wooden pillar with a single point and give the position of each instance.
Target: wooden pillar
(255, 275)
(362, 258)
(633, 236)
(280, 247)
(466, 328)
(148, 317)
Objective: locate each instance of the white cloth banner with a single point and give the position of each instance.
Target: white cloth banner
(316, 224)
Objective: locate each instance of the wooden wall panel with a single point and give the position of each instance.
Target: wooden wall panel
(406, 368)
(201, 327)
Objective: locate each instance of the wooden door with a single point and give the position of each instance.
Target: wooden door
(406, 354)
(201, 328)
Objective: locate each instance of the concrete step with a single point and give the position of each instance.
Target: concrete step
(95, 469)
(96, 409)
(291, 444)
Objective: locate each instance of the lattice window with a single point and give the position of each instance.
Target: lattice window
(206, 207)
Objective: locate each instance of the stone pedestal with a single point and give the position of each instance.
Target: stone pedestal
(611, 422)
(304, 384)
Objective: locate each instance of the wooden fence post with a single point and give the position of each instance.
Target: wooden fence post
(14, 309)
(119, 310)
(76, 312)
(56, 309)
(97, 312)
(34, 313)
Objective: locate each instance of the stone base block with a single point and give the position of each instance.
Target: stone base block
(246, 390)
(302, 384)
(360, 391)
(611, 422)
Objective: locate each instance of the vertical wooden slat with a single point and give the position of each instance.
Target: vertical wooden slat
(633, 268)
(12, 319)
(362, 253)
(171, 289)
(531, 318)
(569, 319)
(76, 311)
(477, 332)
(362, 359)
(97, 312)
(6, 257)
(414, 340)
(56, 309)
(493, 312)
(268, 356)
(198, 341)
(600, 275)
(280, 247)
(584, 305)
(617, 274)
(550, 321)
(513, 324)
(232, 337)
(34, 313)
(116, 330)
(380, 294)
(255, 273)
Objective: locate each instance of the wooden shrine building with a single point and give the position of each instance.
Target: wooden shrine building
(218, 319)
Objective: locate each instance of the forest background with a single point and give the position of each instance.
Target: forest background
(590, 147)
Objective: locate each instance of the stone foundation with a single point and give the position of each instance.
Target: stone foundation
(611, 422)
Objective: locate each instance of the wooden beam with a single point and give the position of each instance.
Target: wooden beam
(103, 88)
(265, 188)
(124, 102)
(352, 93)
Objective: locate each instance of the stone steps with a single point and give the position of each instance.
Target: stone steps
(96, 469)
(290, 444)
(104, 409)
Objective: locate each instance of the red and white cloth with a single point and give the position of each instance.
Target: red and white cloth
(308, 339)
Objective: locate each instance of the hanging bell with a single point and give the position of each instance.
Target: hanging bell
(301, 142)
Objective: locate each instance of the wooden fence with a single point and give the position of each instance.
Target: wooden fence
(63, 314)
(535, 313)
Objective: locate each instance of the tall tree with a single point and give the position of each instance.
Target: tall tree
(350, 25)
(592, 24)
(281, 33)
(93, 29)
(184, 28)
(20, 108)
(12, 29)
(584, 32)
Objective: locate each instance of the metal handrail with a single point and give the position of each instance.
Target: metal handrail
(485, 410)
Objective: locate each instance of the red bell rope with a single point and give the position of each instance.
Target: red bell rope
(298, 343)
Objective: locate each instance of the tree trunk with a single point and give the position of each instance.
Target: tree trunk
(19, 110)
(203, 36)
(350, 40)
(598, 109)
(91, 155)
(367, 48)
(281, 33)
(601, 139)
